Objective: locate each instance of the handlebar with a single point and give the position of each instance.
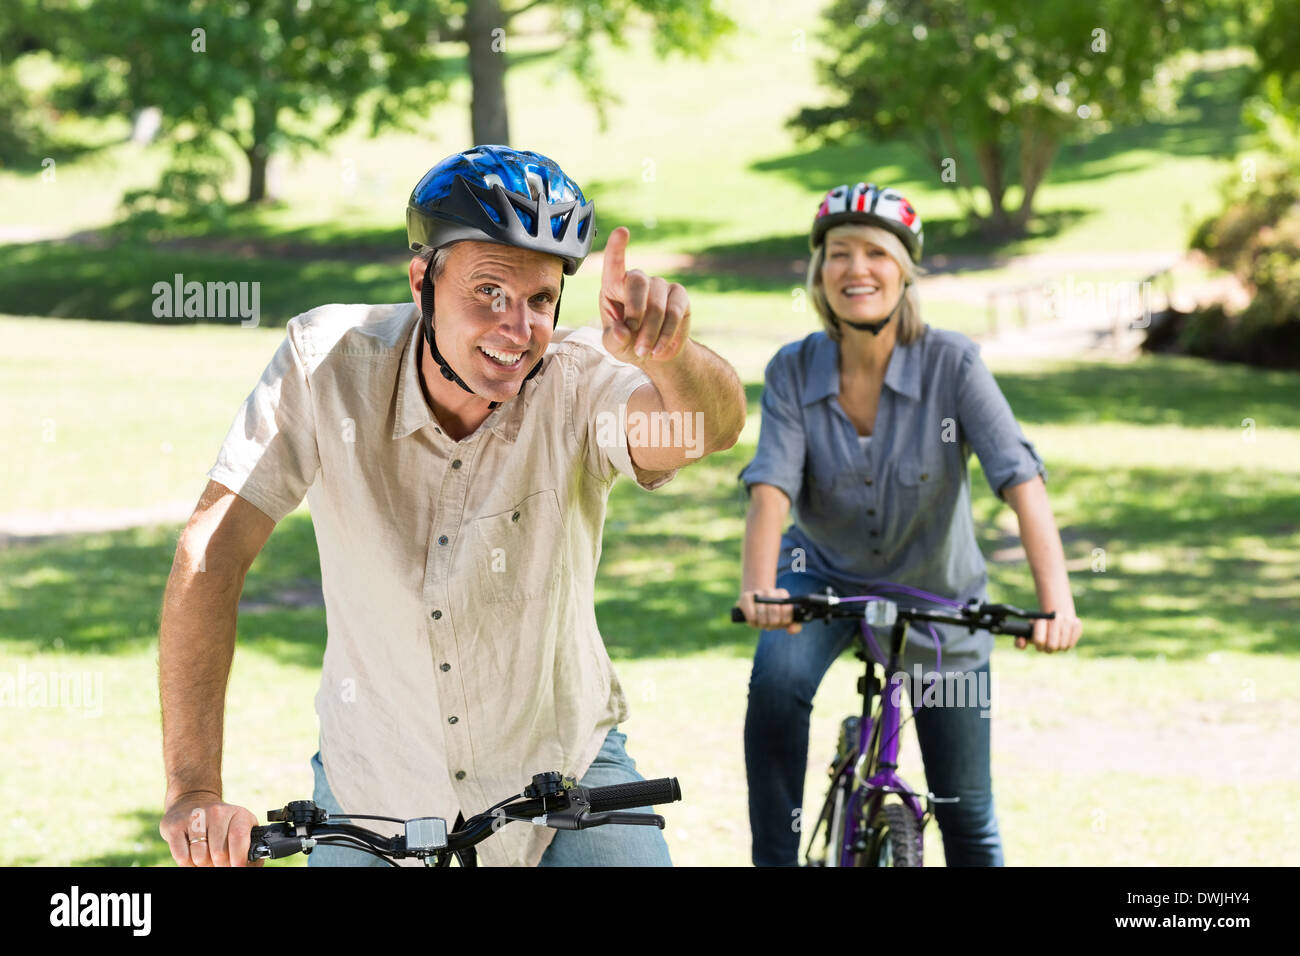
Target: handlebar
(638, 793)
(881, 611)
(551, 800)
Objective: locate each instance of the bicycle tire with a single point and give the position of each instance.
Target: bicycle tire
(838, 807)
(895, 839)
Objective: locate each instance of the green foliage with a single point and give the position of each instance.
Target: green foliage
(21, 122)
(1257, 237)
(190, 186)
(259, 72)
(32, 84)
(1277, 43)
(1008, 80)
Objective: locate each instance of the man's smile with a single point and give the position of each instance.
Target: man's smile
(501, 358)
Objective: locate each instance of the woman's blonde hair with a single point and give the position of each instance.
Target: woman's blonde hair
(910, 326)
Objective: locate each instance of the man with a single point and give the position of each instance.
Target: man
(457, 454)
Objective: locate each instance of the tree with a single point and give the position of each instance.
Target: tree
(24, 119)
(686, 26)
(1008, 81)
(262, 73)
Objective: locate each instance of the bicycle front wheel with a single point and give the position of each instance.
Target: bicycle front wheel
(893, 839)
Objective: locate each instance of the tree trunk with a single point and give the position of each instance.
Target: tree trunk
(259, 153)
(257, 158)
(1037, 150)
(965, 202)
(988, 154)
(487, 72)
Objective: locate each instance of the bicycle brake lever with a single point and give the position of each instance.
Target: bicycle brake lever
(620, 817)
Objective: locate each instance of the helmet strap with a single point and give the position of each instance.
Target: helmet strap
(426, 315)
(875, 327)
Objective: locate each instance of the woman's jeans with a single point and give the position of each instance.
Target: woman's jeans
(788, 668)
(611, 845)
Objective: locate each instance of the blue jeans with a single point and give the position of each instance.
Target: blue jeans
(612, 845)
(788, 668)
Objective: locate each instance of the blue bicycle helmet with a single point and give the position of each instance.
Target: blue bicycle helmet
(498, 194)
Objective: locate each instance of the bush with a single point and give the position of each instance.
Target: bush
(189, 190)
(1256, 236)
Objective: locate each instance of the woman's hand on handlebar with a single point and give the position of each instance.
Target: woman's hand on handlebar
(769, 617)
(1057, 634)
(201, 830)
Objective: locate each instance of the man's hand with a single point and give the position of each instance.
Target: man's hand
(201, 830)
(646, 319)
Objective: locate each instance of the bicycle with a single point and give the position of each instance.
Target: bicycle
(872, 816)
(551, 800)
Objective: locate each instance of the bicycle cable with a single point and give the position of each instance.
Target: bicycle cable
(344, 841)
(361, 816)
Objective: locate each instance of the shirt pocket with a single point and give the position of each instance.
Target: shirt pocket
(920, 477)
(837, 502)
(518, 554)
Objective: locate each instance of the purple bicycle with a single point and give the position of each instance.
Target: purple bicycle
(872, 817)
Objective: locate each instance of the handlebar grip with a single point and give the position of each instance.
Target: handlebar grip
(1018, 628)
(737, 616)
(638, 793)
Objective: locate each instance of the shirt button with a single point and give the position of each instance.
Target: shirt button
(871, 512)
(874, 532)
(460, 774)
(446, 667)
(442, 539)
(437, 615)
(456, 463)
(868, 481)
(875, 550)
(924, 475)
(452, 720)
(515, 516)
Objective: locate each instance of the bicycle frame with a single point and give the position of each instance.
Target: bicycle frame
(867, 794)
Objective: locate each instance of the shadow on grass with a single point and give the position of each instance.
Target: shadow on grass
(113, 278)
(60, 280)
(1172, 391)
(943, 238)
(1190, 568)
(102, 593)
(1196, 560)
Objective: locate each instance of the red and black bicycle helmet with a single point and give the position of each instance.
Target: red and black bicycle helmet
(871, 205)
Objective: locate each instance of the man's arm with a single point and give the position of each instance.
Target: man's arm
(196, 642)
(1042, 544)
(698, 401)
(694, 404)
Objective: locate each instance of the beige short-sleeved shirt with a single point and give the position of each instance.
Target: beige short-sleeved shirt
(462, 654)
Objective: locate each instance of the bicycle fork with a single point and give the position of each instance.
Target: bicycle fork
(866, 794)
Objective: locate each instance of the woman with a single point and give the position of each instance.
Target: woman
(866, 430)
